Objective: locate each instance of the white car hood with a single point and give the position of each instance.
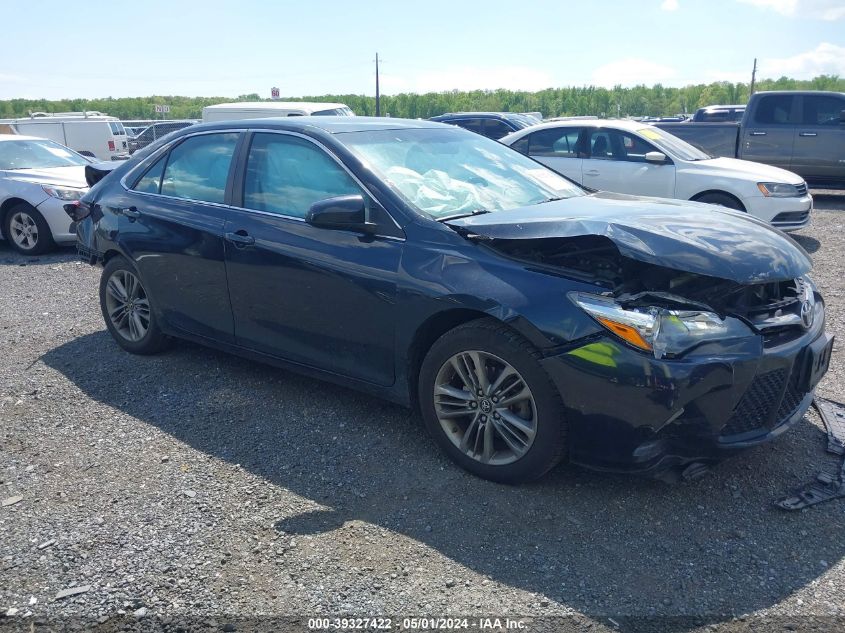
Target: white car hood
(736, 168)
(72, 176)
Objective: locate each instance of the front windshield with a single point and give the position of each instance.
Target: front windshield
(40, 154)
(448, 172)
(672, 145)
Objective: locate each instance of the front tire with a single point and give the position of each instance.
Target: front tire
(722, 200)
(27, 231)
(127, 309)
(490, 405)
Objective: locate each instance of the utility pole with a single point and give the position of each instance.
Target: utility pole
(753, 77)
(378, 96)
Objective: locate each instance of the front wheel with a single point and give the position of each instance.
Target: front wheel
(490, 405)
(127, 309)
(27, 230)
(722, 200)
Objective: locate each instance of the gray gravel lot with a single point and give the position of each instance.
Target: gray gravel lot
(194, 483)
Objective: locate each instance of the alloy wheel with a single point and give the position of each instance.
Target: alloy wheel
(485, 407)
(127, 305)
(24, 230)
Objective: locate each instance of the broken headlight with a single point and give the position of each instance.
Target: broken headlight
(662, 331)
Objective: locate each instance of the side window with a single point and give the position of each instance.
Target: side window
(199, 167)
(600, 145)
(822, 110)
(774, 110)
(631, 148)
(560, 142)
(521, 145)
(286, 175)
(473, 125)
(495, 129)
(151, 181)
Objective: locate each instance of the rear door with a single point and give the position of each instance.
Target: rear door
(172, 224)
(558, 149)
(819, 151)
(319, 297)
(617, 163)
(768, 135)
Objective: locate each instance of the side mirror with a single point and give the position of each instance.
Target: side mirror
(345, 213)
(655, 157)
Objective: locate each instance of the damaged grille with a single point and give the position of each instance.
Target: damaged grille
(776, 389)
(755, 408)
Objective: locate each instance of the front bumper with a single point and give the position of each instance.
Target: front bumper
(630, 412)
(787, 214)
(61, 226)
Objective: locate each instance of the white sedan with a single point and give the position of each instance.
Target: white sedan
(37, 178)
(639, 159)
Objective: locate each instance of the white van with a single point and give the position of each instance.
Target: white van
(264, 109)
(91, 134)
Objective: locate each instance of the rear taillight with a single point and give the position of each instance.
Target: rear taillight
(111, 146)
(77, 210)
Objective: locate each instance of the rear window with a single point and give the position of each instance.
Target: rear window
(117, 128)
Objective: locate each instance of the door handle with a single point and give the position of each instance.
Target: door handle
(807, 134)
(592, 172)
(132, 213)
(758, 134)
(240, 238)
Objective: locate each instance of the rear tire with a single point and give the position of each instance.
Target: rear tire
(127, 310)
(27, 231)
(722, 200)
(505, 423)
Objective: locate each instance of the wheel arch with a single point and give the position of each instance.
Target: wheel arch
(436, 325)
(721, 192)
(7, 206)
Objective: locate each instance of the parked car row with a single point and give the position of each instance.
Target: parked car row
(802, 131)
(531, 320)
(635, 158)
(37, 178)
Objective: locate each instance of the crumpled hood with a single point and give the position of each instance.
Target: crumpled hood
(686, 236)
(71, 176)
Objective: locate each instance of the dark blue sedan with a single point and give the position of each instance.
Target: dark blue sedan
(530, 321)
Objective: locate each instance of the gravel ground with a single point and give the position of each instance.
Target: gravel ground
(197, 487)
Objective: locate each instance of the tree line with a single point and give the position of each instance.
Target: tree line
(656, 100)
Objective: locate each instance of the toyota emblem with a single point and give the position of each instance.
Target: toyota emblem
(807, 314)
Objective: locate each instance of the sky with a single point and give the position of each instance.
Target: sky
(56, 50)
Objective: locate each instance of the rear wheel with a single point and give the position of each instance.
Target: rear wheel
(490, 405)
(127, 309)
(27, 230)
(721, 199)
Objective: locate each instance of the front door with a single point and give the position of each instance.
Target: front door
(819, 151)
(319, 297)
(617, 163)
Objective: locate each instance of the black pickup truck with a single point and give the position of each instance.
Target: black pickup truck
(802, 131)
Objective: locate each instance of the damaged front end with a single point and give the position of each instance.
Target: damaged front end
(664, 311)
(700, 351)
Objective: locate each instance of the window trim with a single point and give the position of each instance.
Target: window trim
(236, 175)
(803, 100)
(237, 190)
(579, 128)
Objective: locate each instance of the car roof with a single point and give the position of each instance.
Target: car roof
(276, 105)
(471, 115)
(328, 124)
(619, 124)
(20, 137)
